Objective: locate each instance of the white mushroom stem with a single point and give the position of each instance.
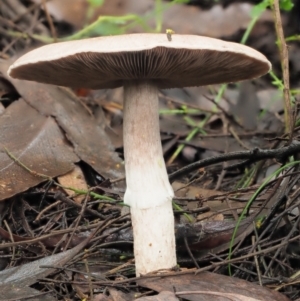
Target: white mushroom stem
(148, 193)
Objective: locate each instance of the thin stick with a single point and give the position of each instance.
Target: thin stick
(284, 57)
(190, 253)
(256, 262)
(50, 22)
(12, 239)
(34, 173)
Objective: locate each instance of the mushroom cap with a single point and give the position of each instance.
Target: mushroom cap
(108, 62)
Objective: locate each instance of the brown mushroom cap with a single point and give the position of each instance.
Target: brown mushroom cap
(108, 62)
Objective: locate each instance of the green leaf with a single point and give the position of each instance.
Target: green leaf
(286, 5)
(95, 3)
(180, 1)
(107, 28)
(259, 8)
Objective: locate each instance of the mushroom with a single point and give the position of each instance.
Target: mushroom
(143, 64)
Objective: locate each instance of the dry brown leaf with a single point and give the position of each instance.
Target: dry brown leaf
(14, 282)
(117, 295)
(102, 297)
(90, 141)
(247, 107)
(215, 22)
(210, 216)
(37, 142)
(223, 296)
(13, 292)
(74, 179)
(71, 11)
(207, 286)
(163, 296)
(184, 190)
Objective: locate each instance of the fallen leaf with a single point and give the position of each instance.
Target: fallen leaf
(212, 287)
(163, 296)
(117, 295)
(215, 22)
(17, 279)
(71, 11)
(102, 297)
(210, 216)
(37, 142)
(74, 179)
(90, 141)
(11, 292)
(247, 108)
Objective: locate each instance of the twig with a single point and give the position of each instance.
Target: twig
(60, 196)
(50, 22)
(12, 239)
(286, 239)
(192, 271)
(256, 261)
(251, 156)
(284, 57)
(32, 172)
(45, 237)
(226, 146)
(89, 277)
(237, 138)
(190, 253)
(52, 205)
(77, 221)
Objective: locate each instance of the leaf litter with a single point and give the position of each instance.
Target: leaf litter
(231, 127)
(37, 142)
(88, 139)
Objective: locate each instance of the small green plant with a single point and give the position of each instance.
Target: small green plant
(109, 25)
(254, 196)
(93, 4)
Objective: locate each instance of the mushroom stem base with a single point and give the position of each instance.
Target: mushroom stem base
(154, 242)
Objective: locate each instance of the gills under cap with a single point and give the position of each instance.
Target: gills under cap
(108, 62)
